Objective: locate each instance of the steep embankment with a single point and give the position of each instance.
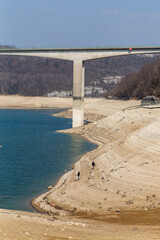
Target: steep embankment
(126, 175)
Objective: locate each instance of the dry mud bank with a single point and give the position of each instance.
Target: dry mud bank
(28, 226)
(16, 101)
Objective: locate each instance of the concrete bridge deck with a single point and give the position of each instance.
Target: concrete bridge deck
(80, 53)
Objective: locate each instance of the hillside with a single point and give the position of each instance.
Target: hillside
(7, 46)
(140, 84)
(33, 76)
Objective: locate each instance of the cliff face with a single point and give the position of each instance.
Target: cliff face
(33, 76)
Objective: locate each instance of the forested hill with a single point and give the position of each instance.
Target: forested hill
(7, 47)
(140, 84)
(33, 76)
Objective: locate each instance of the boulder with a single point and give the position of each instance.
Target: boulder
(150, 100)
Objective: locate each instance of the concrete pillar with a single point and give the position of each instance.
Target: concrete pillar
(78, 93)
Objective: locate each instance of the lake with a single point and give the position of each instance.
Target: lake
(32, 155)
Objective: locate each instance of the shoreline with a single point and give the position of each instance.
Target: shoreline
(123, 206)
(119, 198)
(77, 130)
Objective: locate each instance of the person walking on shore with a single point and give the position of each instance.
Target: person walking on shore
(93, 164)
(78, 174)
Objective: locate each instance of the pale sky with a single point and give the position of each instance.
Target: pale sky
(79, 23)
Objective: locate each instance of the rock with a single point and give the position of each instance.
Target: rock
(109, 209)
(134, 229)
(151, 206)
(147, 198)
(144, 208)
(129, 202)
(118, 211)
(123, 196)
(150, 100)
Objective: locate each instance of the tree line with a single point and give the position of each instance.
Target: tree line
(33, 76)
(138, 85)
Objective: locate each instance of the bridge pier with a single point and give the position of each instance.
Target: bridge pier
(78, 93)
(78, 56)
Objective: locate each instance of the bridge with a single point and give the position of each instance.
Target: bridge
(78, 56)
